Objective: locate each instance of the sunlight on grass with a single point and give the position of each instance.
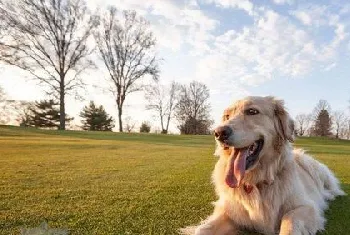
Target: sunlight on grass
(108, 183)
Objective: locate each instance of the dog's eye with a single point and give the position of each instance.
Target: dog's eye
(226, 117)
(251, 112)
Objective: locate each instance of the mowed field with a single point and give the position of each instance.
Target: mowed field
(111, 183)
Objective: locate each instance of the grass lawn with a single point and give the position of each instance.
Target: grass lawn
(111, 183)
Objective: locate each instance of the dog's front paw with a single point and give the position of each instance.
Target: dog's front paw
(204, 229)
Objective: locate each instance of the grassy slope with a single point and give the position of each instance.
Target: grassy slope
(110, 183)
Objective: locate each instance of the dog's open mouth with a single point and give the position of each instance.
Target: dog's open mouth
(241, 160)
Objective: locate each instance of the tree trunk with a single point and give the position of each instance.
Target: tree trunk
(62, 107)
(162, 123)
(337, 134)
(167, 125)
(120, 112)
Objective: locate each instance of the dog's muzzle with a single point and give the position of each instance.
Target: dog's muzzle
(222, 133)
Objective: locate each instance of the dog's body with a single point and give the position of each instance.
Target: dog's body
(262, 183)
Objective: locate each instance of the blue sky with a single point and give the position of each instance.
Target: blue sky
(296, 50)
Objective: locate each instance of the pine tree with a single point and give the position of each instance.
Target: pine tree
(45, 113)
(96, 118)
(145, 127)
(323, 124)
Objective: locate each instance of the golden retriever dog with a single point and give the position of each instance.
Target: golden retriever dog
(262, 183)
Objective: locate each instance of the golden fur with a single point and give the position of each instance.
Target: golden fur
(290, 189)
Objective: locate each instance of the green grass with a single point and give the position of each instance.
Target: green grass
(111, 183)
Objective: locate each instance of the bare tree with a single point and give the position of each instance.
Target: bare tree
(12, 111)
(5, 111)
(302, 122)
(129, 124)
(2, 96)
(3, 27)
(2, 106)
(162, 100)
(127, 49)
(192, 109)
(24, 111)
(48, 39)
(347, 128)
(339, 120)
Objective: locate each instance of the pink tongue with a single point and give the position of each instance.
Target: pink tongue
(237, 167)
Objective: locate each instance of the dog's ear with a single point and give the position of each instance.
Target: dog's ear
(283, 123)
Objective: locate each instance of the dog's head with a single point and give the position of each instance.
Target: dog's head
(252, 133)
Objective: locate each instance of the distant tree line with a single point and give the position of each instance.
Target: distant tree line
(51, 41)
(46, 114)
(322, 121)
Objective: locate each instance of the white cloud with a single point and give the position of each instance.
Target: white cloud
(320, 17)
(255, 54)
(281, 2)
(272, 47)
(303, 17)
(253, 79)
(168, 36)
(245, 5)
(340, 34)
(315, 15)
(175, 23)
(190, 24)
(330, 66)
(345, 9)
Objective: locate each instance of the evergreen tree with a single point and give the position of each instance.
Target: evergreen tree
(45, 113)
(96, 118)
(323, 124)
(145, 127)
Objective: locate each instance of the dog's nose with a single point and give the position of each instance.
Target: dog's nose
(222, 132)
